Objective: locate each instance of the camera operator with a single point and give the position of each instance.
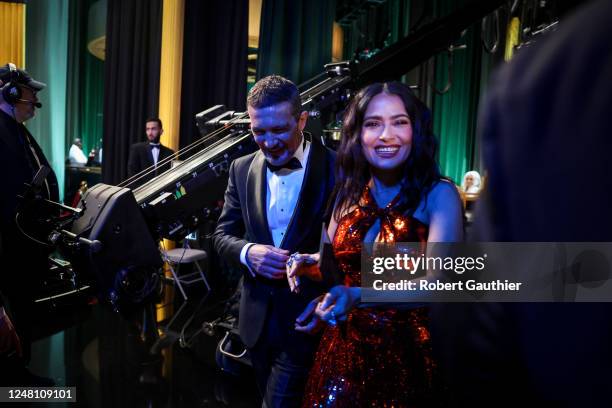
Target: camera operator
(23, 261)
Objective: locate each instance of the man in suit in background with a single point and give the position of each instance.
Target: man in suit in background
(148, 154)
(275, 204)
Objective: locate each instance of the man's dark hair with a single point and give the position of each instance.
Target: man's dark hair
(158, 120)
(272, 90)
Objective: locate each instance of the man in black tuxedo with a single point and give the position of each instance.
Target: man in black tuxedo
(148, 154)
(275, 204)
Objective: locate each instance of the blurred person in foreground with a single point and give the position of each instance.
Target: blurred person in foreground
(547, 112)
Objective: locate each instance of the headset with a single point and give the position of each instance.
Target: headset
(10, 91)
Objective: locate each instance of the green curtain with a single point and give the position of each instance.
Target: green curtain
(92, 104)
(371, 29)
(85, 82)
(487, 65)
(46, 61)
(455, 112)
(374, 27)
(398, 14)
(295, 38)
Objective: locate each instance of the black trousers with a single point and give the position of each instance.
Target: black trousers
(282, 358)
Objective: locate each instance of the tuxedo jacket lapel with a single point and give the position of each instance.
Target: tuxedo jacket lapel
(311, 199)
(149, 154)
(256, 197)
(165, 152)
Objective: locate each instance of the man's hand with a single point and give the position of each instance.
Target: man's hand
(268, 261)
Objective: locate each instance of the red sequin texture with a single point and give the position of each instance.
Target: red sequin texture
(379, 357)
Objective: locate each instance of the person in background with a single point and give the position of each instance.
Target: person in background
(471, 182)
(76, 157)
(98, 154)
(147, 155)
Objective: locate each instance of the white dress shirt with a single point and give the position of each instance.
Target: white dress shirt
(282, 193)
(155, 152)
(76, 157)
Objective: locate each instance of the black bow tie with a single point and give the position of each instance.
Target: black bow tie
(154, 145)
(292, 164)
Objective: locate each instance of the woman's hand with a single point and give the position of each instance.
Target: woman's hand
(331, 309)
(309, 322)
(337, 303)
(300, 265)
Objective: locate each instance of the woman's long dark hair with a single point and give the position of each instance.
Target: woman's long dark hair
(420, 171)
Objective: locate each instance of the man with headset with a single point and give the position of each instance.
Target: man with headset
(20, 158)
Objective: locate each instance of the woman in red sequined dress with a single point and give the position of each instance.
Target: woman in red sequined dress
(389, 190)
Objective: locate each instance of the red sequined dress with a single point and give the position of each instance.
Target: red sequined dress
(379, 357)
